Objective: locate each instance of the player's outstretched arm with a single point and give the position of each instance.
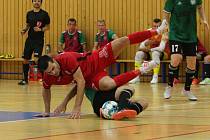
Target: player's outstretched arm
(62, 107)
(203, 16)
(80, 81)
(46, 93)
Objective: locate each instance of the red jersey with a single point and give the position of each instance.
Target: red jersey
(90, 65)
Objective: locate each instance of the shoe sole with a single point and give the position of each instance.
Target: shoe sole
(124, 114)
(167, 98)
(193, 99)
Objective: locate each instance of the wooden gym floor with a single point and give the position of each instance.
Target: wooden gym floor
(174, 119)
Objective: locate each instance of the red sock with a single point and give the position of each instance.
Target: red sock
(125, 77)
(138, 37)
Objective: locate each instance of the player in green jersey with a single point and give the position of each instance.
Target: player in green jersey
(181, 16)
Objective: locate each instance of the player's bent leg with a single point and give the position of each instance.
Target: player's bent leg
(119, 44)
(144, 104)
(123, 95)
(121, 88)
(176, 59)
(133, 109)
(139, 57)
(106, 83)
(191, 62)
(173, 68)
(155, 57)
(190, 72)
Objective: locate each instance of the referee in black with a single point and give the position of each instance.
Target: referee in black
(37, 22)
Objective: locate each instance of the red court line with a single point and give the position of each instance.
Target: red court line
(201, 131)
(180, 134)
(85, 131)
(175, 116)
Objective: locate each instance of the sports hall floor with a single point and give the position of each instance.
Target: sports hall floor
(174, 119)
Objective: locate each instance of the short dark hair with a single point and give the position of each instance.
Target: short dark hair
(33, 1)
(156, 20)
(72, 20)
(43, 62)
(101, 21)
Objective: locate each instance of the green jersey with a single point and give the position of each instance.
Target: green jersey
(104, 38)
(81, 37)
(183, 24)
(90, 94)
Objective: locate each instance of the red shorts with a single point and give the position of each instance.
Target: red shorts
(97, 78)
(98, 61)
(105, 57)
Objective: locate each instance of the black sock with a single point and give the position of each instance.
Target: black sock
(135, 106)
(171, 73)
(197, 69)
(25, 72)
(189, 77)
(176, 73)
(125, 95)
(207, 70)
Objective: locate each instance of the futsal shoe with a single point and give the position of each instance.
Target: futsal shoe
(135, 80)
(176, 81)
(190, 95)
(23, 82)
(147, 66)
(167, 93)
(195, 81)
(154, 79)
(206, 81)
(125, 113)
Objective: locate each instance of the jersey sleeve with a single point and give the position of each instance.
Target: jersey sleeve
(96, 38)
(27, 18)
(62, 39)
(46, 82)
(169, 5)
(111, 35)
(47, 18)
(81, 38)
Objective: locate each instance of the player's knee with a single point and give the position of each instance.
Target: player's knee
(157, 61)
(106, 85)
(139, 55)
(175, 62)
(124, 40)
(176, 59)
(207, 59)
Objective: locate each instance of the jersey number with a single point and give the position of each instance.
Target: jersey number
(175, 48)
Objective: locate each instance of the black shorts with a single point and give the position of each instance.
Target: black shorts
(186, 49)
(33, 46)
(101, 97)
